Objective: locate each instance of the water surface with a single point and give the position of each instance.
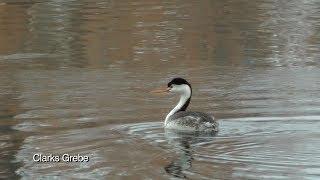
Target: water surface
(75, 77)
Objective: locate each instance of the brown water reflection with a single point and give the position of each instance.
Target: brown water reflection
(74, 77)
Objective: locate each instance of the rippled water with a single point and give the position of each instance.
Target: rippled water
(75, 77)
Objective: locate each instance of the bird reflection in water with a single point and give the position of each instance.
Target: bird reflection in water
(183, 143)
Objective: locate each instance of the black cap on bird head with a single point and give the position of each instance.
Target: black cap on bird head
(178, 81)
(181, 81)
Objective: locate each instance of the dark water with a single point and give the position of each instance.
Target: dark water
(75, 77)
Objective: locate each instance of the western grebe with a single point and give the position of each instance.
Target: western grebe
(180, 119)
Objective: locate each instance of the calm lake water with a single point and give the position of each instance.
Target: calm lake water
(75, 78)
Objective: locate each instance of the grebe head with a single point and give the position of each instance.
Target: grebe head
(180, 85)
(183, 88)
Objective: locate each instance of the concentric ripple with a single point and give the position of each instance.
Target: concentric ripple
(246, 147)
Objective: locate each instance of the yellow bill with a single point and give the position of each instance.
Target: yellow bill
(161, 91)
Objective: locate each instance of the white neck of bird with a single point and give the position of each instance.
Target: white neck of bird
(185, 94)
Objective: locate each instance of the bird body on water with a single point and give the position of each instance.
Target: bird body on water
(180, 119)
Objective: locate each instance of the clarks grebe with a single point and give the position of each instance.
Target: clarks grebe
(180, 119)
